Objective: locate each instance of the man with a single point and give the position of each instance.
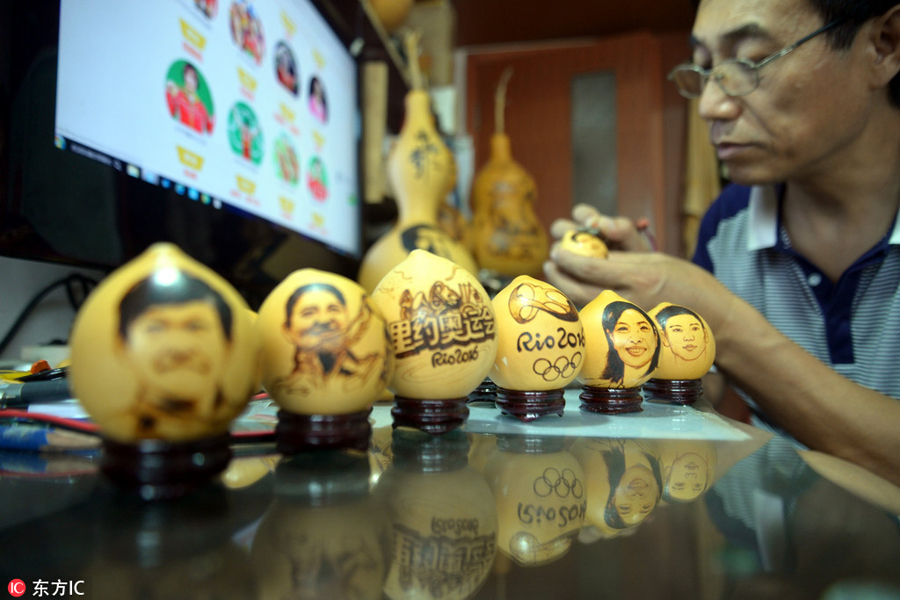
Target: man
(803, 267)
(318, 325)
(175, 333)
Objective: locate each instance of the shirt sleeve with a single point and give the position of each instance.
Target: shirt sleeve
(732, 200)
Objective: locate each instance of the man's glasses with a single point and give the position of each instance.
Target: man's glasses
(735, 76)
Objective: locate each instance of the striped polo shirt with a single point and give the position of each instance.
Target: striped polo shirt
(852, 325)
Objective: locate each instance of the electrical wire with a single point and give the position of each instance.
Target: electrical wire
(77, 289)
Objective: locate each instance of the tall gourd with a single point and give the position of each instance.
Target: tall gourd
(509, 239)
(421, 169)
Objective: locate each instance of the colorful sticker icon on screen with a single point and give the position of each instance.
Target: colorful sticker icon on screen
(319, 140)
(317, 179)
(320, 60)
(193, 37)
(318, 106)
(188, 97)
(247, 30)
(287, 164)
(285, 113)
(244, 133)
(209, 8)
(248, 83)
(286, 68)
(246, 185)
(287, 207)
(189, 159)
(289, 27)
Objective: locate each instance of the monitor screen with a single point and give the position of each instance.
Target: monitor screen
(230, 127)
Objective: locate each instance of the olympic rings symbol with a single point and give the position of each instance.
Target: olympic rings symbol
(563, 367)
(562, 484)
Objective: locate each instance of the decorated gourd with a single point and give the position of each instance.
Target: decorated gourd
(687, 353)
(420, 167)
(509, 240)
(541, 345)
(584, 242)
(164, 356)
(443, 332)
(622, 353)
(326, 353)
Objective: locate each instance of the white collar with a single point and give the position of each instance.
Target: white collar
(763, 212)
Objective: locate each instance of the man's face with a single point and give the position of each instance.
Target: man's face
(810, 104)
(633, 339)
(686, 337)
(318, 321)
(179, 351)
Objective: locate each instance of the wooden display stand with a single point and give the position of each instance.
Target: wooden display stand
(528, 406)
(681, 391)
(431, 416)
(159, 470)
(611, 401)
(298, 433)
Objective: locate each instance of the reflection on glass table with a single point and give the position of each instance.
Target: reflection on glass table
(475, 513)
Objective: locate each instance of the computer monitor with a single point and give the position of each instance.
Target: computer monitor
(229, 127)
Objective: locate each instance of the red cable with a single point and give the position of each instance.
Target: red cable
(93, 429)
(72, 424)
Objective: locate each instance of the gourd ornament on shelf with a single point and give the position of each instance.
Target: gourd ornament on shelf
(327, 358)
(509, 240)
(391, 13)
(444, 336)
(688, 351)
(420, 169)
(622, 353)
(540, 351)
(164, 356)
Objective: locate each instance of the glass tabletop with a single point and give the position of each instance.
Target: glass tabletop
(672, 502)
